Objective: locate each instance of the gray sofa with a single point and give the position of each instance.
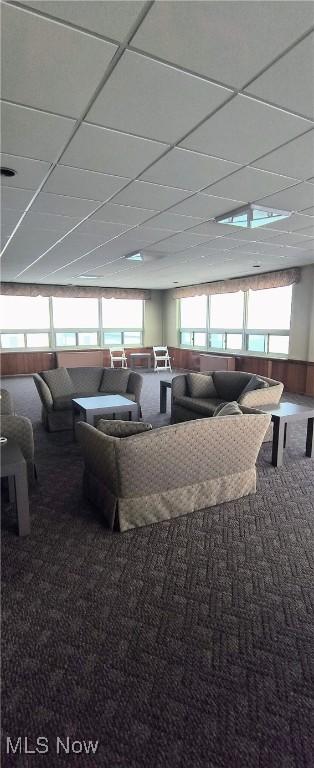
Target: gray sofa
(223, 386)
(162, 473)
(57, 387)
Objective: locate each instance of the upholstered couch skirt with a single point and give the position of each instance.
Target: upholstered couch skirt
(126, 513)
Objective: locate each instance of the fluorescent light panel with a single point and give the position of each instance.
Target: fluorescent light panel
(252, 216)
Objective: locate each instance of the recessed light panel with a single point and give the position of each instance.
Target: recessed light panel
(252, 216)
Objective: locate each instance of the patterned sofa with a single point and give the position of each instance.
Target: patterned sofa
(192, 396)
(170, 471)
(19, 429)
(57, 387)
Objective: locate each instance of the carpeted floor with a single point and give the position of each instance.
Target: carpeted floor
(187, 644)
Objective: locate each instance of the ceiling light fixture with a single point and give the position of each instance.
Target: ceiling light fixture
(252, 216)
(7, 171)
(134, 257)
(88, 277)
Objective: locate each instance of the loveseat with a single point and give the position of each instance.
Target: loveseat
(195, 395)
(170, 471)
(57, 388)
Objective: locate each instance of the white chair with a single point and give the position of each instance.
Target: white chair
(118, 356)
(161, 359)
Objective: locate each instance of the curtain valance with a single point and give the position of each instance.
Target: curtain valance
(253, 282)
(73, 291)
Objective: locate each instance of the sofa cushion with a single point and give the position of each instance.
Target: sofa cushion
(228, 409)
(59, 382)
(64, 402)
(202, 405)
(229, 384)
(201, 385)
(86, 379)
(114, 381)
(119, 428)
(255, 383)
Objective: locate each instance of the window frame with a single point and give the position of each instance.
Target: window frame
(245, 332)
(52, 334)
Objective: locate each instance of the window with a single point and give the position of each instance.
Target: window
(37, 340)
(194, 312)
(122, 313)
(55, 323)
(122, 321)
(270, 309)
(75, 313)
(25, 315)
(226, 310)
(252, 321)
(18, 312)
(12, 340)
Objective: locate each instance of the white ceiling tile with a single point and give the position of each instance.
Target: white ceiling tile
(308, 230)
(65, 206)
(306, 245)
(99, 149)
(88, 184)
(50, 221)
(123, 214)
(159, 102)
(188, 170)
(31, 133)
(110, 19)
(289, 83)
(29, 173)
(172, 222)
(9, 219)
(244, 130)
(194, 35)
(48, 65)
(202, 206)
(309, 211)
(178, 242)
(155, 197)
(292, 238)
(16, 199)
(250, 184)
(293, 199)
(294, 159)
(26, 247)
(211, 229)
(102, 228)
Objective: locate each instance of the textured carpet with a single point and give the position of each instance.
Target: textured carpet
(187, 644)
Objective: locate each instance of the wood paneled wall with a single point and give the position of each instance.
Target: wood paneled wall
(296, 375)
(17, 363)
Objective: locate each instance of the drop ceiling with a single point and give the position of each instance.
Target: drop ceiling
(131, 125)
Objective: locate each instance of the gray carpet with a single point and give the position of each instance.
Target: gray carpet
(186, 644)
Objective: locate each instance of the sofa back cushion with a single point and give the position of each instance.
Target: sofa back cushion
(59, 382)
(86, 380)
(114, 381)
(228, 409)
(255, 383)
(201, 385)
(229, 384)
(119, 428)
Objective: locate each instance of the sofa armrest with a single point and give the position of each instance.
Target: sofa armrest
(43, 391)
(6, 403)
(19, 429)
(100, 455)
(178, 386)
(259, 397)
(135, 384)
